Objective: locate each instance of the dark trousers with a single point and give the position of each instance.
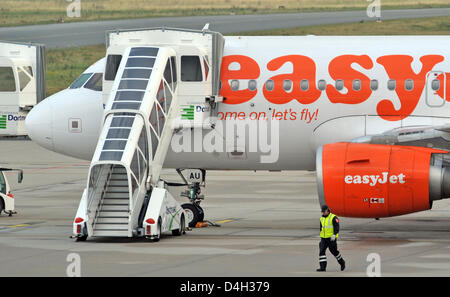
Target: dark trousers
(326, 243)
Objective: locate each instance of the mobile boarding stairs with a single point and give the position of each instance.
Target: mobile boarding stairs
(160, 72)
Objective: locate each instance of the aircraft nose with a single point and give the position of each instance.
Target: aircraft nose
(39, 124)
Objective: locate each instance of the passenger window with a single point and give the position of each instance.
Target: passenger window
(287, 85)
(392, 84)
(339, 84)
(409, 84)
(435, 85)
(356, 85)
(7, 80)
(252, 85)
(80, 81)
(374, 84)
(112, 65)
(191, 69)
(269, 85)
(304, 85)
(24, 78)
(235, 85)
(95, 83)
(322, 84)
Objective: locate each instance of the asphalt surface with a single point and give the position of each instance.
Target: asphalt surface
(91, 33)
(269, 227)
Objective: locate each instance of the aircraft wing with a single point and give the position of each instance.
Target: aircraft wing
(423, 136)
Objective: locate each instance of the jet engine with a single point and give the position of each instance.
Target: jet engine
(373, 180)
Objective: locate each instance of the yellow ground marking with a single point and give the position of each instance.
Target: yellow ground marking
(224, 221)
(16, 226)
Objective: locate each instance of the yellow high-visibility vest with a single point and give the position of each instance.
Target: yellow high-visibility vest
(327, 226)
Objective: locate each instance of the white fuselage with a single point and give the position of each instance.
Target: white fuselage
(388, 82)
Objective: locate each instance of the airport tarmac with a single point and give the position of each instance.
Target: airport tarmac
(269, 227)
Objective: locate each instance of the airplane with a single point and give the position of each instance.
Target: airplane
(369, 114)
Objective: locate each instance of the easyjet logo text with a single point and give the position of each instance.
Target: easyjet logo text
(373, 180)
(397, 67)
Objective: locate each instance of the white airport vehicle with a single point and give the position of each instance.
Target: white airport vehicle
(369, 113)
(22, 84)
(164, 214)
(7, 203)
(160, 214)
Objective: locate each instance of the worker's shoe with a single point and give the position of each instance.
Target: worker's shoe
(342, 262)
(323, 266)
(320, 269)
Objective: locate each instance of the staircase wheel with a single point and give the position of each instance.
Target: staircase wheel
(81, 238)
(158, 237)
(181, 229)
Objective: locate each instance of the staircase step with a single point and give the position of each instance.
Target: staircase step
(119, 170)
(115, 172)
(116, 201)
(111, 233)
(117, 189)
(113, 214)
(112, 220)
(109, 226)
(112, 203)
(118, 183)
(118, 178)
(116, 195)
(114, 207)
(119, 174)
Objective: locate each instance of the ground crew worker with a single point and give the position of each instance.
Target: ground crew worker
(329, 233)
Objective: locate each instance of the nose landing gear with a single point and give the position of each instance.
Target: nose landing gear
(192, 210)
(194, 180)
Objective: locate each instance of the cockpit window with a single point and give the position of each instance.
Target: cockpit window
(79, 82)
(95, 83)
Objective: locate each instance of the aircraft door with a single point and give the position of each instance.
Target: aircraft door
(194, 75)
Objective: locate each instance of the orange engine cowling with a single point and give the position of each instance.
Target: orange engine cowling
(372, 181)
